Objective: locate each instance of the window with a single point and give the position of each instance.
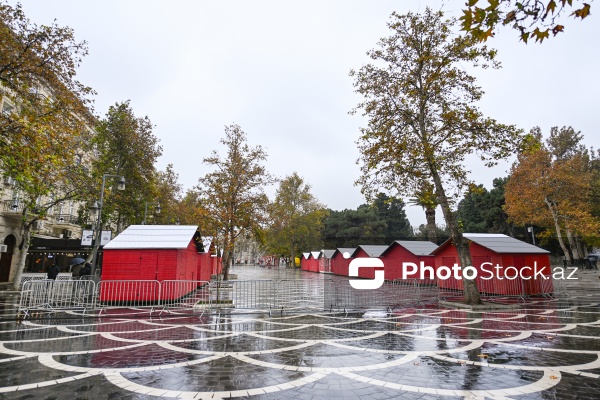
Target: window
(7, 108)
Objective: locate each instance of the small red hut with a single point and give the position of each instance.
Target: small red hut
(313, 261)
(370, 251)
(325, 261)
(153, 253)
(505, 265)
(304, 262)
(407, 251)
(339, 264)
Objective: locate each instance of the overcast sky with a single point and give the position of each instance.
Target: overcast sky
(279, 69)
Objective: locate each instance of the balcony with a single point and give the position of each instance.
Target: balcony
(12, 207)
(65, 220)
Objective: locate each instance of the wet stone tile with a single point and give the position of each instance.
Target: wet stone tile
(334, 386)
(37, 334)
(168, 333)
(223, 374)
(587, 330)
(559, 342)
(239, 343)
(116, 326)
(28, 370)
(315, 333)
(325, 356)
(430, 373)
(570, 387)
(144, 356)
(73, 343)
(510, 355)
(396, 342)
(94, 387)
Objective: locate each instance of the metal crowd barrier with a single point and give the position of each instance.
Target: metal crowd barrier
(130, 294)
(300, 294)
(186, 295)
(51, 295)
(256, 295)
(506, 290)
(290, 295)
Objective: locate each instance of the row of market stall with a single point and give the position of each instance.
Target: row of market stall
(501, 264)
(157, 253)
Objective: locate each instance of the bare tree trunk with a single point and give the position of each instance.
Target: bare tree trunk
(580, 246)
(23, 249)
(226, 261)
(293, 254)
(462, 246)
(431, 226)
(558, 231)
(572, 245)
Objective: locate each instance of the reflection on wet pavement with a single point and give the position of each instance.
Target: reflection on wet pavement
(542, 350)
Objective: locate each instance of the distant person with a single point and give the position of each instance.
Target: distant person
(53, 271)
(86, 270)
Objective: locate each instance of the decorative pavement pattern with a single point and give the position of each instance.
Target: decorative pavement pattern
(543, 350)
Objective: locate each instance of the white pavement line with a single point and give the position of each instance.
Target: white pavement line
(65, 353)
(461, 324)
(547, 349)
(111, 336)
(412, 336)
(370, 350)
(403, 360)
(45, 383)
(527, 322)
(17, 358)
(50, 362)
(547, 381)
(48, 339)
(24, 330)
(118, 380)
(204, 339)
(420, 329)
(357, 338)
(573, 369)
(520, 336)
(167, 345)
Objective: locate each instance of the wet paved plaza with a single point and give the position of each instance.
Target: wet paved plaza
(544, 349)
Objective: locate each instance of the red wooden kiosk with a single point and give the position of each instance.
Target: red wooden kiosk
(511, 262)
(154, 253)
(339, 264)
(325, 261)
(371, 251)
(304, 262)
(411, 251)
(313, 261)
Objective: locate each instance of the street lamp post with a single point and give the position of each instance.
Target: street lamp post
(530, 230)
(97, 208)
(156, 210)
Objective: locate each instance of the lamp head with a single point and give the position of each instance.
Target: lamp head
(94, 209)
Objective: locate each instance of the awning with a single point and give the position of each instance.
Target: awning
(57, 244)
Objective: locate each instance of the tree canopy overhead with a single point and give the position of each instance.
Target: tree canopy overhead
(127, 147)
(295, 218)
(422, 115)
(533, 19)
(551, 185)
(233, 192)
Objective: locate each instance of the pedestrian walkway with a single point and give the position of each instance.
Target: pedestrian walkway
(543, 350)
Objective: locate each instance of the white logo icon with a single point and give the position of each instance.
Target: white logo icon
(364, 262)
